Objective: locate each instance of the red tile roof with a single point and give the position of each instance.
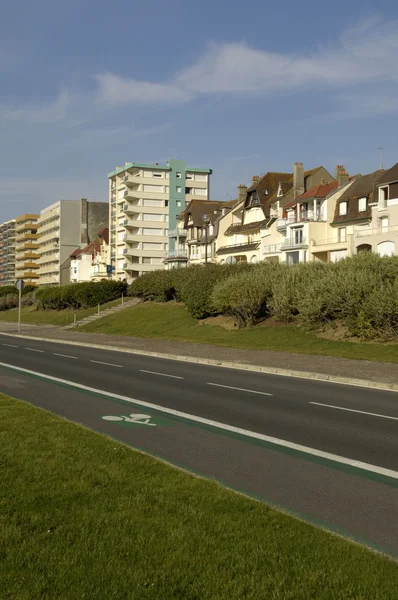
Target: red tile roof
(318, 191)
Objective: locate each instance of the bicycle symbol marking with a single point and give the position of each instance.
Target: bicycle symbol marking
(133, 418)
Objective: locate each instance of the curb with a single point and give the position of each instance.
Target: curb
(391, 387)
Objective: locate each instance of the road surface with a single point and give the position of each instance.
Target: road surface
(323, 451)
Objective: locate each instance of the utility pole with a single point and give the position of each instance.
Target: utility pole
(206, 221)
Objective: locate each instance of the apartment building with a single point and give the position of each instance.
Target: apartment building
(145, 201)
(380, 233)
(26, 248)
(63, 226)
(90, 263)
(7, 253)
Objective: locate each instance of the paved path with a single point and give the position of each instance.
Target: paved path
(324, 451)
(356, 369)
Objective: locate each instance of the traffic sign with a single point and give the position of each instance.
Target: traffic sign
(20, 284)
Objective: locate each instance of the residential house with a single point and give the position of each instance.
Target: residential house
(90, 263)
(381, 233)
(198, 230)
(352, 219)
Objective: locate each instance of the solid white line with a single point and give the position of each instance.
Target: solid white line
(244, 432)
(65, 355)
(99, 362)
(229, 387)
(162, 374)
(10, 345)
(34, 350)
(362, 412)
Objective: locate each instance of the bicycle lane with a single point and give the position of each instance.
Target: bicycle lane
(340, 499)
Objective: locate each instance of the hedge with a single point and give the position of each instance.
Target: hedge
(79, 295)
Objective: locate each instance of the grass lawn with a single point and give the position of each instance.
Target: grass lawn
(172, 321)
(31, 316)
(85, 517)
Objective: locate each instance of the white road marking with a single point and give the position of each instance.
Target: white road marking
(362, 412)
(99, 362)
(229, 387)
(10, 345)
(217, 425)
(162, 374)
(65, 355)
(34, 350)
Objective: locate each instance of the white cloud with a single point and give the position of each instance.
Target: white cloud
(115, 90)
(50, 113)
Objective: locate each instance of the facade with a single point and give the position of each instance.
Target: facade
(380, 235)
(198, 227)
(64, 225)
(145, 201)
(251, 234)
(26, 248)
(90, 263)
(352, 219)
(7, 253)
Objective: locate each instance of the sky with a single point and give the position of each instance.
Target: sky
(242, 88)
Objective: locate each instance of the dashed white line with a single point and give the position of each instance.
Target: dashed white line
(229, 387)
(34, 350)
(65, 355)
(10, 345)
(161, 374)
(362, 412)
(99, 362)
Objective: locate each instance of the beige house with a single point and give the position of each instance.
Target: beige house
(380, 233)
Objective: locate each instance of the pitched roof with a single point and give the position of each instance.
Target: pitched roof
(318, 191)
(246, 228)
(91, 248)
(390, 176)
(104, 234)
(198, 208)
(362, 187)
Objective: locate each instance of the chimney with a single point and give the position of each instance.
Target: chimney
(242, 192)
(298, 179)
(341, 175)
(255, 179)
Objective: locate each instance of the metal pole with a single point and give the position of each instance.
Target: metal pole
(19, 307)
(98, 308)
(122, 299)
(206, 243)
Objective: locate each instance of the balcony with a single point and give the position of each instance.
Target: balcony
(271, 249)
(296, 242)
(48, 258)
(50, 269)
(179, 254)
(27, 275)
(51, 236)
(178, 232)
(48, 216)
(133, 223)
(49, 280)
(131, 209)
(25, 265)
(238, 247)
(376, 231)
(281, 224)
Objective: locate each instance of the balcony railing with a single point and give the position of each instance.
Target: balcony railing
(177, 253)
(328, 242)
(294, 243)
(271, 249)
(178, 232)
(376, 231)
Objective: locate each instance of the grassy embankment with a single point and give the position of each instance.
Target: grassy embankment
(172, 321)
(85, 517)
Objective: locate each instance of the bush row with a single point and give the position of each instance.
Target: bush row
(361, 292)
(79, 295)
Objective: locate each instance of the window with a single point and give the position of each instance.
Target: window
(178, 203)
(200, 192)
(384, 224)
(189, 176)
(200, 177)
(343, 208)
(153, 188)
(188, 190)
(152, 217)
(152, 231)
(386, 248)
(178, 175)
(146, 260)
(362, 204)
(151, 246)
(148, 202)
(383, 196)
(298, 236)
(158, 175)
(342, 234)
(178, 188)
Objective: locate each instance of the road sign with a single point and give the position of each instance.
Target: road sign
(20, 284)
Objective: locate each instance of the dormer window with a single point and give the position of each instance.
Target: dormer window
(254, 201)
(342, 208)
(280, 192)
(362, 205)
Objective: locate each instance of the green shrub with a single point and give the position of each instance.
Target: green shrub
(8, 301)
(245, 295)
(79, 295)
(157, 286)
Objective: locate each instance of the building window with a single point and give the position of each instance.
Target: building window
(178, 188)
(158, 175)
(188, 190)
(189, 176)
(298, 236)
(384, 224)
(342, 234)
(178, 175)
(362, 204)
(383, 196)
(343, 208)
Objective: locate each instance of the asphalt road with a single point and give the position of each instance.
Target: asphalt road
(293, 442)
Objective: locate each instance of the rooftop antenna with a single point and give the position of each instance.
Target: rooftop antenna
(229, 195)
(381, 157)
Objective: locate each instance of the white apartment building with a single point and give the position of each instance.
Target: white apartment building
(144, 202)
(64, 226)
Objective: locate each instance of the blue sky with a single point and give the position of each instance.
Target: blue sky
(242, 88)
